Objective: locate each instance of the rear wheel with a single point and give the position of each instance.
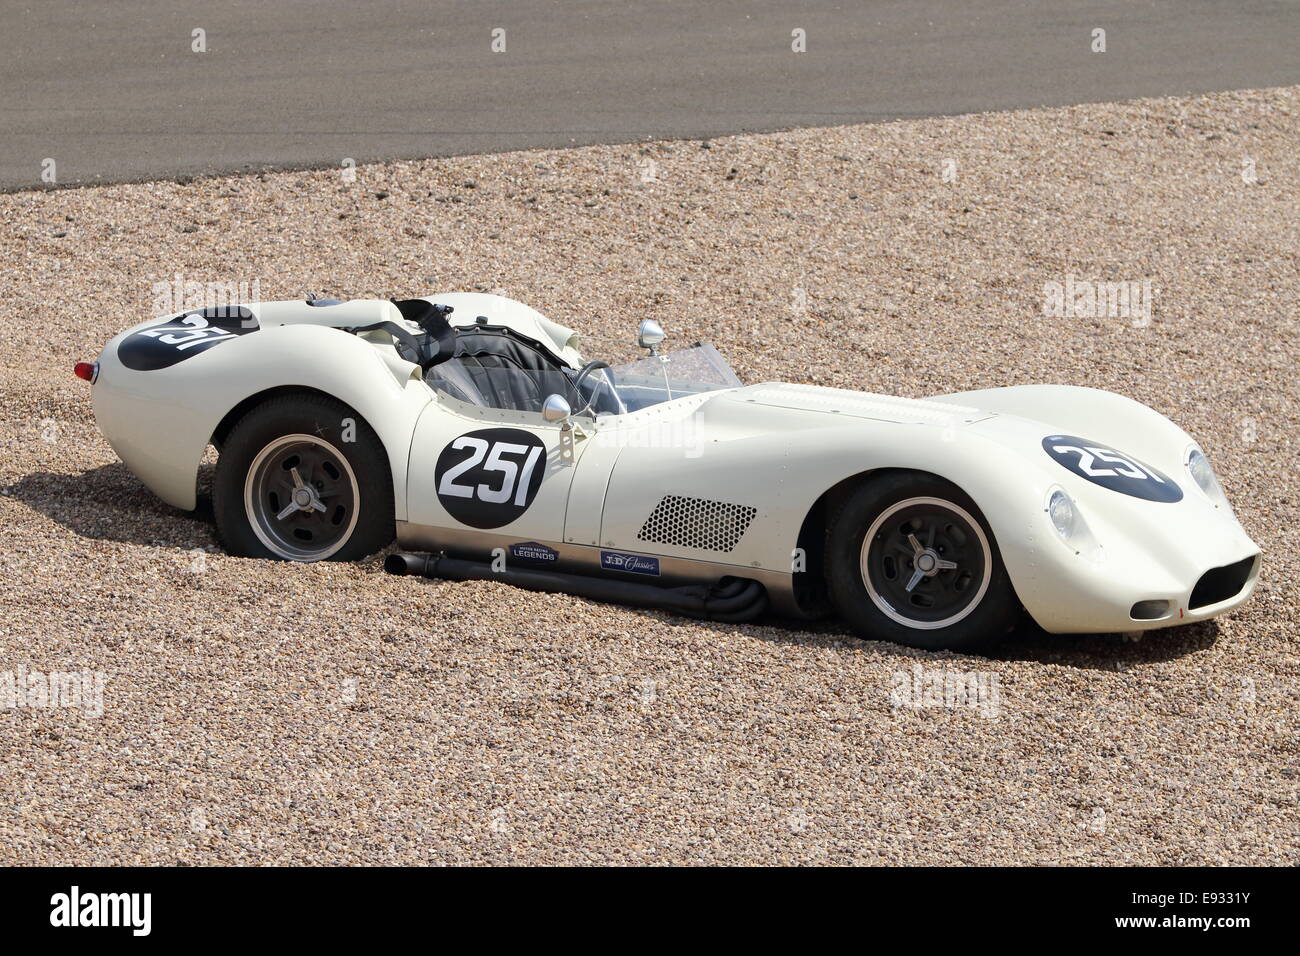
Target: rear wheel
(303, 478)
(911, 560)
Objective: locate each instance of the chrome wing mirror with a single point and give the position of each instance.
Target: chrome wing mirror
(649, 334)
(556, 410)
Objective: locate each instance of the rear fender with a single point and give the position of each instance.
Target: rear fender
(160, 422)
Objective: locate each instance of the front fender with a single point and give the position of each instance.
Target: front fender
(1105, 417)
(780, 461)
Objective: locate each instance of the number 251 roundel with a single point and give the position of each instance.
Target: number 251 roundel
(1103, 465)
(488, 478)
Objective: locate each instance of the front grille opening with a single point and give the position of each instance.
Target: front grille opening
(1149, 610)
(1219, 584)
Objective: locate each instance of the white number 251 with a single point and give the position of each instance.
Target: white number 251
(1125, 467)
(517, 476)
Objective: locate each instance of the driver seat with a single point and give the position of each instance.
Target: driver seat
(507, 370)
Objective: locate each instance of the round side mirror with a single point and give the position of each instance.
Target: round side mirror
(649, 334)
(556, 408)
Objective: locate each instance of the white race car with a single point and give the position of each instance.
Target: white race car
(469, 426)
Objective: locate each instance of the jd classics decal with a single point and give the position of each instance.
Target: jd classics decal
(1105, 466)
(488, 478)
(185, 336)
(634, 563)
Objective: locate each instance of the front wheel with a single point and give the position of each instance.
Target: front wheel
(911, 560)
(303, 478)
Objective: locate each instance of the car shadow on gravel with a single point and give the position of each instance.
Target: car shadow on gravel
(1027, 643)
(110, 504)
(1106, 652)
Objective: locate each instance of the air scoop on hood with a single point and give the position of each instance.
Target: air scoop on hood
(884, 408)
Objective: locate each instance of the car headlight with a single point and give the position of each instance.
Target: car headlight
(1198, 466)
(1061, 510)
(1070, 525)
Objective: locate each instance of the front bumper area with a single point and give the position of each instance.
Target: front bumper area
(1110, 608)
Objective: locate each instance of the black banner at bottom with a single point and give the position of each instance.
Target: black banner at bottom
(332, 906)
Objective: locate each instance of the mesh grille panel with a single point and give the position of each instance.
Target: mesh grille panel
(697, 523)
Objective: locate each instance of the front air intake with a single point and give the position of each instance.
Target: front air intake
(1219, 584)
(1152, 610)
(697, 523)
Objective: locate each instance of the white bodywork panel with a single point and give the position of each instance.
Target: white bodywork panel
(159, 422)
(449, 419)
(767, 451)
(780, 459)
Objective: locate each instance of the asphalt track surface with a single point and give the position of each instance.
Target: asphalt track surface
(116, 93)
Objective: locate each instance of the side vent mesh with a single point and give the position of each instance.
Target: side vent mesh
(697, 523)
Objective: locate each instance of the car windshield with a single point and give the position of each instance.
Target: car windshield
(612, 391)
(661, 378)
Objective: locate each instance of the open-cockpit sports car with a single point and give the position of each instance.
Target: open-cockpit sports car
(469, 427)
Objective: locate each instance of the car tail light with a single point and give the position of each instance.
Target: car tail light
(87, 370)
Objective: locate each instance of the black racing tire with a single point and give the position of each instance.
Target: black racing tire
(965, 607)
(303, 478)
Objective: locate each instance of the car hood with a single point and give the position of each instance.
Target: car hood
(841, 401)
(1020, 420)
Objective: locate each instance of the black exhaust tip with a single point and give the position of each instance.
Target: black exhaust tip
(402, 562)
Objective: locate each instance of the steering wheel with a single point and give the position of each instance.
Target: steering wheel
(582, 375)
(587, 370)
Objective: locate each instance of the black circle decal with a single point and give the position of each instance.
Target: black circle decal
(1103, 465)
(179, 338)
(488, 478)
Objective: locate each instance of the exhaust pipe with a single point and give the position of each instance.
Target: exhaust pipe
(730, 599)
